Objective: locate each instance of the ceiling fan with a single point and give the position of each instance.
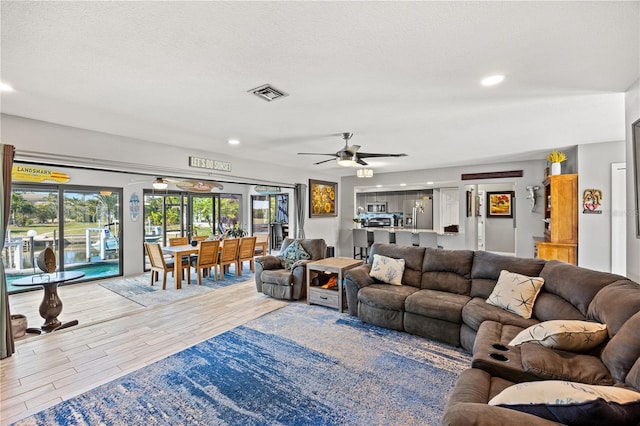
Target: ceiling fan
(191, 185)
(349, 155)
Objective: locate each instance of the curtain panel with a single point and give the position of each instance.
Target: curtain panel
(299, 195)
(8, 347)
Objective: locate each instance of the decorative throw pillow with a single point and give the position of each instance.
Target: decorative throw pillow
(516, 293)
(387, 269)
(572, 403)
(568, 335)
(291, 254)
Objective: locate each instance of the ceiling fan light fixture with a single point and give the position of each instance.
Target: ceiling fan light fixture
(160, 184)
(346, 159)
(364, 173)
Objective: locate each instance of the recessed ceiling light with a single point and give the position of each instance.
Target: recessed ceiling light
(4, 87)
(492, 80)
(233, 142)
(403, 184)
(430, 183)
(378, 186)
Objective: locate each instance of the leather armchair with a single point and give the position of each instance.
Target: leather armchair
(274, 281)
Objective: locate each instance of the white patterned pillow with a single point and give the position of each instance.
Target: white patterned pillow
(516, 293)
(572, 403)
(387, 269)
(567, 335)
(291, 254)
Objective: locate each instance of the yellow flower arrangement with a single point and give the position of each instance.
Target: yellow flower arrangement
(556, 157)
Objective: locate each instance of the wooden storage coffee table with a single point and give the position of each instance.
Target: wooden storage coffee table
(332, 297)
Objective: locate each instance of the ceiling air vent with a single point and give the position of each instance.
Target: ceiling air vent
(268, 92)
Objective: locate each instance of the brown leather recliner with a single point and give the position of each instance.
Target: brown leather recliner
(275, 281)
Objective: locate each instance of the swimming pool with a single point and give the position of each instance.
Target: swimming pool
(92, 271)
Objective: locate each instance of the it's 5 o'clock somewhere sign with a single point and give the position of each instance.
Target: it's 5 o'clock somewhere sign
(37, 174)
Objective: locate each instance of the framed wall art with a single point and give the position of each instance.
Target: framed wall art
(500, 204)
(323, 198)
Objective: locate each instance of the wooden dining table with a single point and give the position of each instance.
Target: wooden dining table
(177, 252)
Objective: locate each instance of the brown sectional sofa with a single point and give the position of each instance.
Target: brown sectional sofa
(443, 297)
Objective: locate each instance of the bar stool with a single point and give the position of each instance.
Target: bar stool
(404, 238)
(428, 239)
(380, 236)
(360, 244)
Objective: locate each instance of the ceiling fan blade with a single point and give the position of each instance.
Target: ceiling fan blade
(362, 162)
(315, 153)
(372, 155)
(323, 161)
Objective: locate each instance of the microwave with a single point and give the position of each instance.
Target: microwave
(379, 207)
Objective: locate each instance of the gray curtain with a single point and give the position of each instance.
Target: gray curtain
(299, 194)
(8, 347)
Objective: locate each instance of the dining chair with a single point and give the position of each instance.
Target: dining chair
(207, 259)
(199, 238)
(228, 254)
(404, 238)
(178, 241)
(246, 252)
(262, 242)
(159, 264)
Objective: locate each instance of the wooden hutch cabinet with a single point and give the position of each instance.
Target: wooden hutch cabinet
(560, 241)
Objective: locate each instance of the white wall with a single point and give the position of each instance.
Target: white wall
(632, 113)
(101, 149)
(594, 230)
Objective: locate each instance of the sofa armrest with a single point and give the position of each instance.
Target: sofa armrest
(355, 279)
(476, 414)
(360, 275)
(268, 262)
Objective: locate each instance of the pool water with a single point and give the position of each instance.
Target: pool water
(92, 271)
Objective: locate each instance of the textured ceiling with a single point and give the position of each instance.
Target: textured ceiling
(403, 77)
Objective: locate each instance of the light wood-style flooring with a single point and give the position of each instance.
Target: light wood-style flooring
(115, 336)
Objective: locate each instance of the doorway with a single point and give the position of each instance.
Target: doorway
(496, 233)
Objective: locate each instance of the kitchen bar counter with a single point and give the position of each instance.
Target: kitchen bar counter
(392, 230)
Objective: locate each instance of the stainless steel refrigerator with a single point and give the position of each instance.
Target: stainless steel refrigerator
(418, 214)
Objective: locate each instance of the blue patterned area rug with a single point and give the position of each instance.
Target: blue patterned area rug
(300, 365)
(138, 288)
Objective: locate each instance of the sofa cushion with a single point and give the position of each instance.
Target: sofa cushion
(574, 284)
(478, 310)
(437, 304)
(386, 296)
(572, 403)
(623, 350)
(568, 335)
(615, 304)
(291, 254)
(550, 306)
(550, 364)
(387, 269)
(412, 256)
(516, 293)
(447, 270)
(487, 266)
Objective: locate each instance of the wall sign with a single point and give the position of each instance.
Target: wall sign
(37, 174)
(206, 163)
(591, 201)
(134, 207)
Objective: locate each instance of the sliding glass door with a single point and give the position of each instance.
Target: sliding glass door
(87, 238)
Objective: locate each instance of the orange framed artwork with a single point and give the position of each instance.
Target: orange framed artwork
(500, 204)
(322, 198)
